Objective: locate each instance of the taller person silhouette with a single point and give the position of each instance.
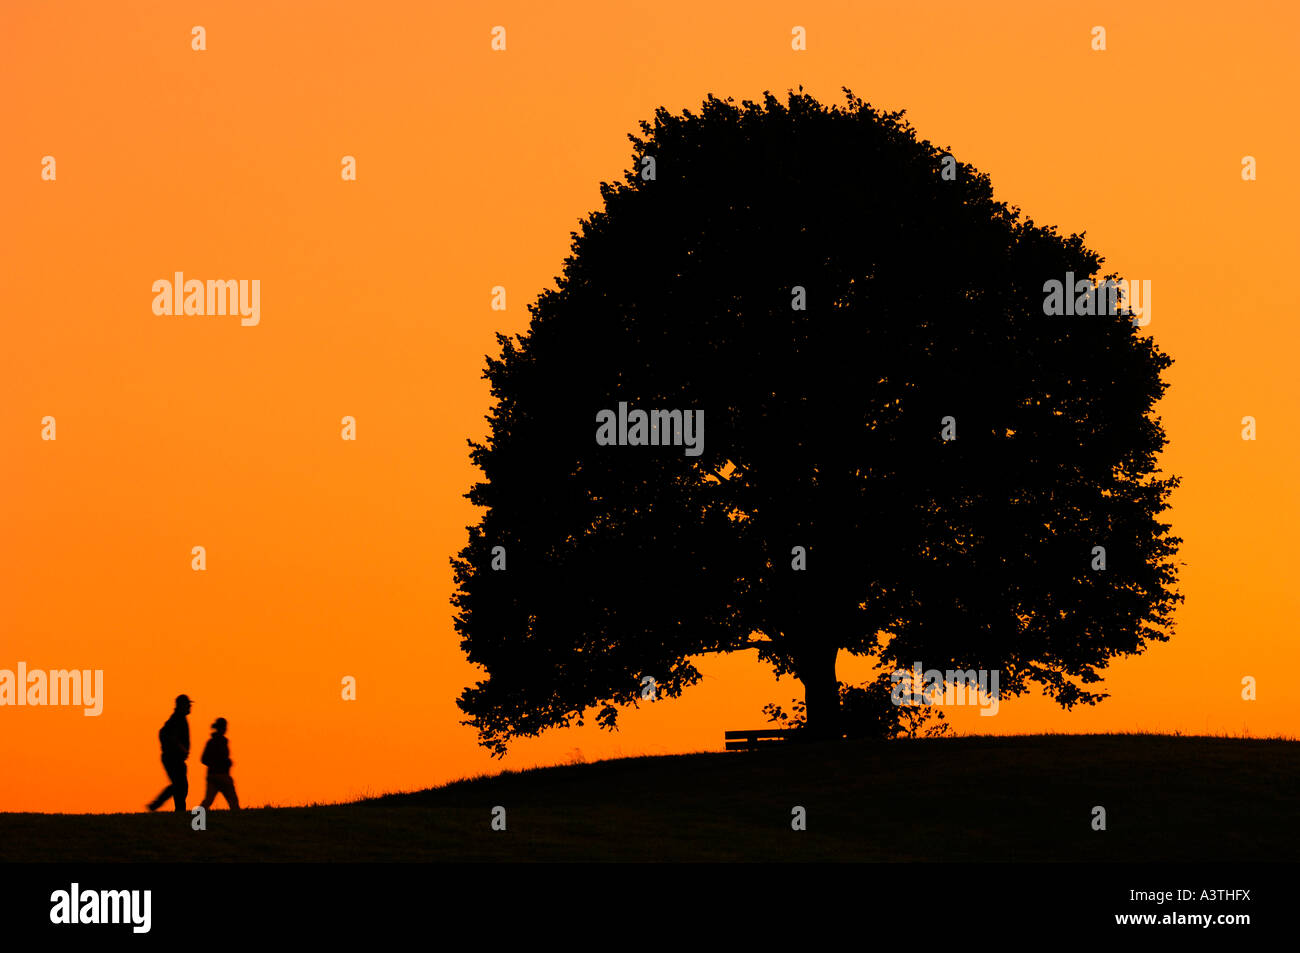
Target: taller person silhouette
(174, 736)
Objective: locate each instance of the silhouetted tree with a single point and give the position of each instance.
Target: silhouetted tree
(923, 299)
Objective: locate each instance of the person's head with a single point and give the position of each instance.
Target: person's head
(183, 704)
(219, 726)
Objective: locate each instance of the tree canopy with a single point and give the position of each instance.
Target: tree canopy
(902, 456)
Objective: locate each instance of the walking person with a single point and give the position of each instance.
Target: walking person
(174, 736)
(216, 755)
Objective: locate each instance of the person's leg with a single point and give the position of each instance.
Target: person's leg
(166, 792)
(158, 801)
(180, 785)
(210, 794)
(228, 789)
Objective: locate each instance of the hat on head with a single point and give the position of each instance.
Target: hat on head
(182, 698)
(220, 723)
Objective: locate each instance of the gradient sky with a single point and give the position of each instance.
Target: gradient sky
(328, 558)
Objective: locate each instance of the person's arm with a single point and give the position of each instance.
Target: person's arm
(170, 739)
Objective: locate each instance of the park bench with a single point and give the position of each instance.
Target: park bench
(751, 739)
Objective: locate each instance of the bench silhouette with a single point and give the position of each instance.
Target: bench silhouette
(750, 739)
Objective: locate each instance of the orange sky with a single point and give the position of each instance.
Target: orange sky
(328, 558)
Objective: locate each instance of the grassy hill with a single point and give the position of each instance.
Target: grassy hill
(966, 799)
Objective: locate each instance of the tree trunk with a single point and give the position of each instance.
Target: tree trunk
(821, 694)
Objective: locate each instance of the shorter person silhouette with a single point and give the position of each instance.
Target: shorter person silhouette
(216, 755)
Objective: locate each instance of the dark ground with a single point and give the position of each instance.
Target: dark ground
(1023, 798)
